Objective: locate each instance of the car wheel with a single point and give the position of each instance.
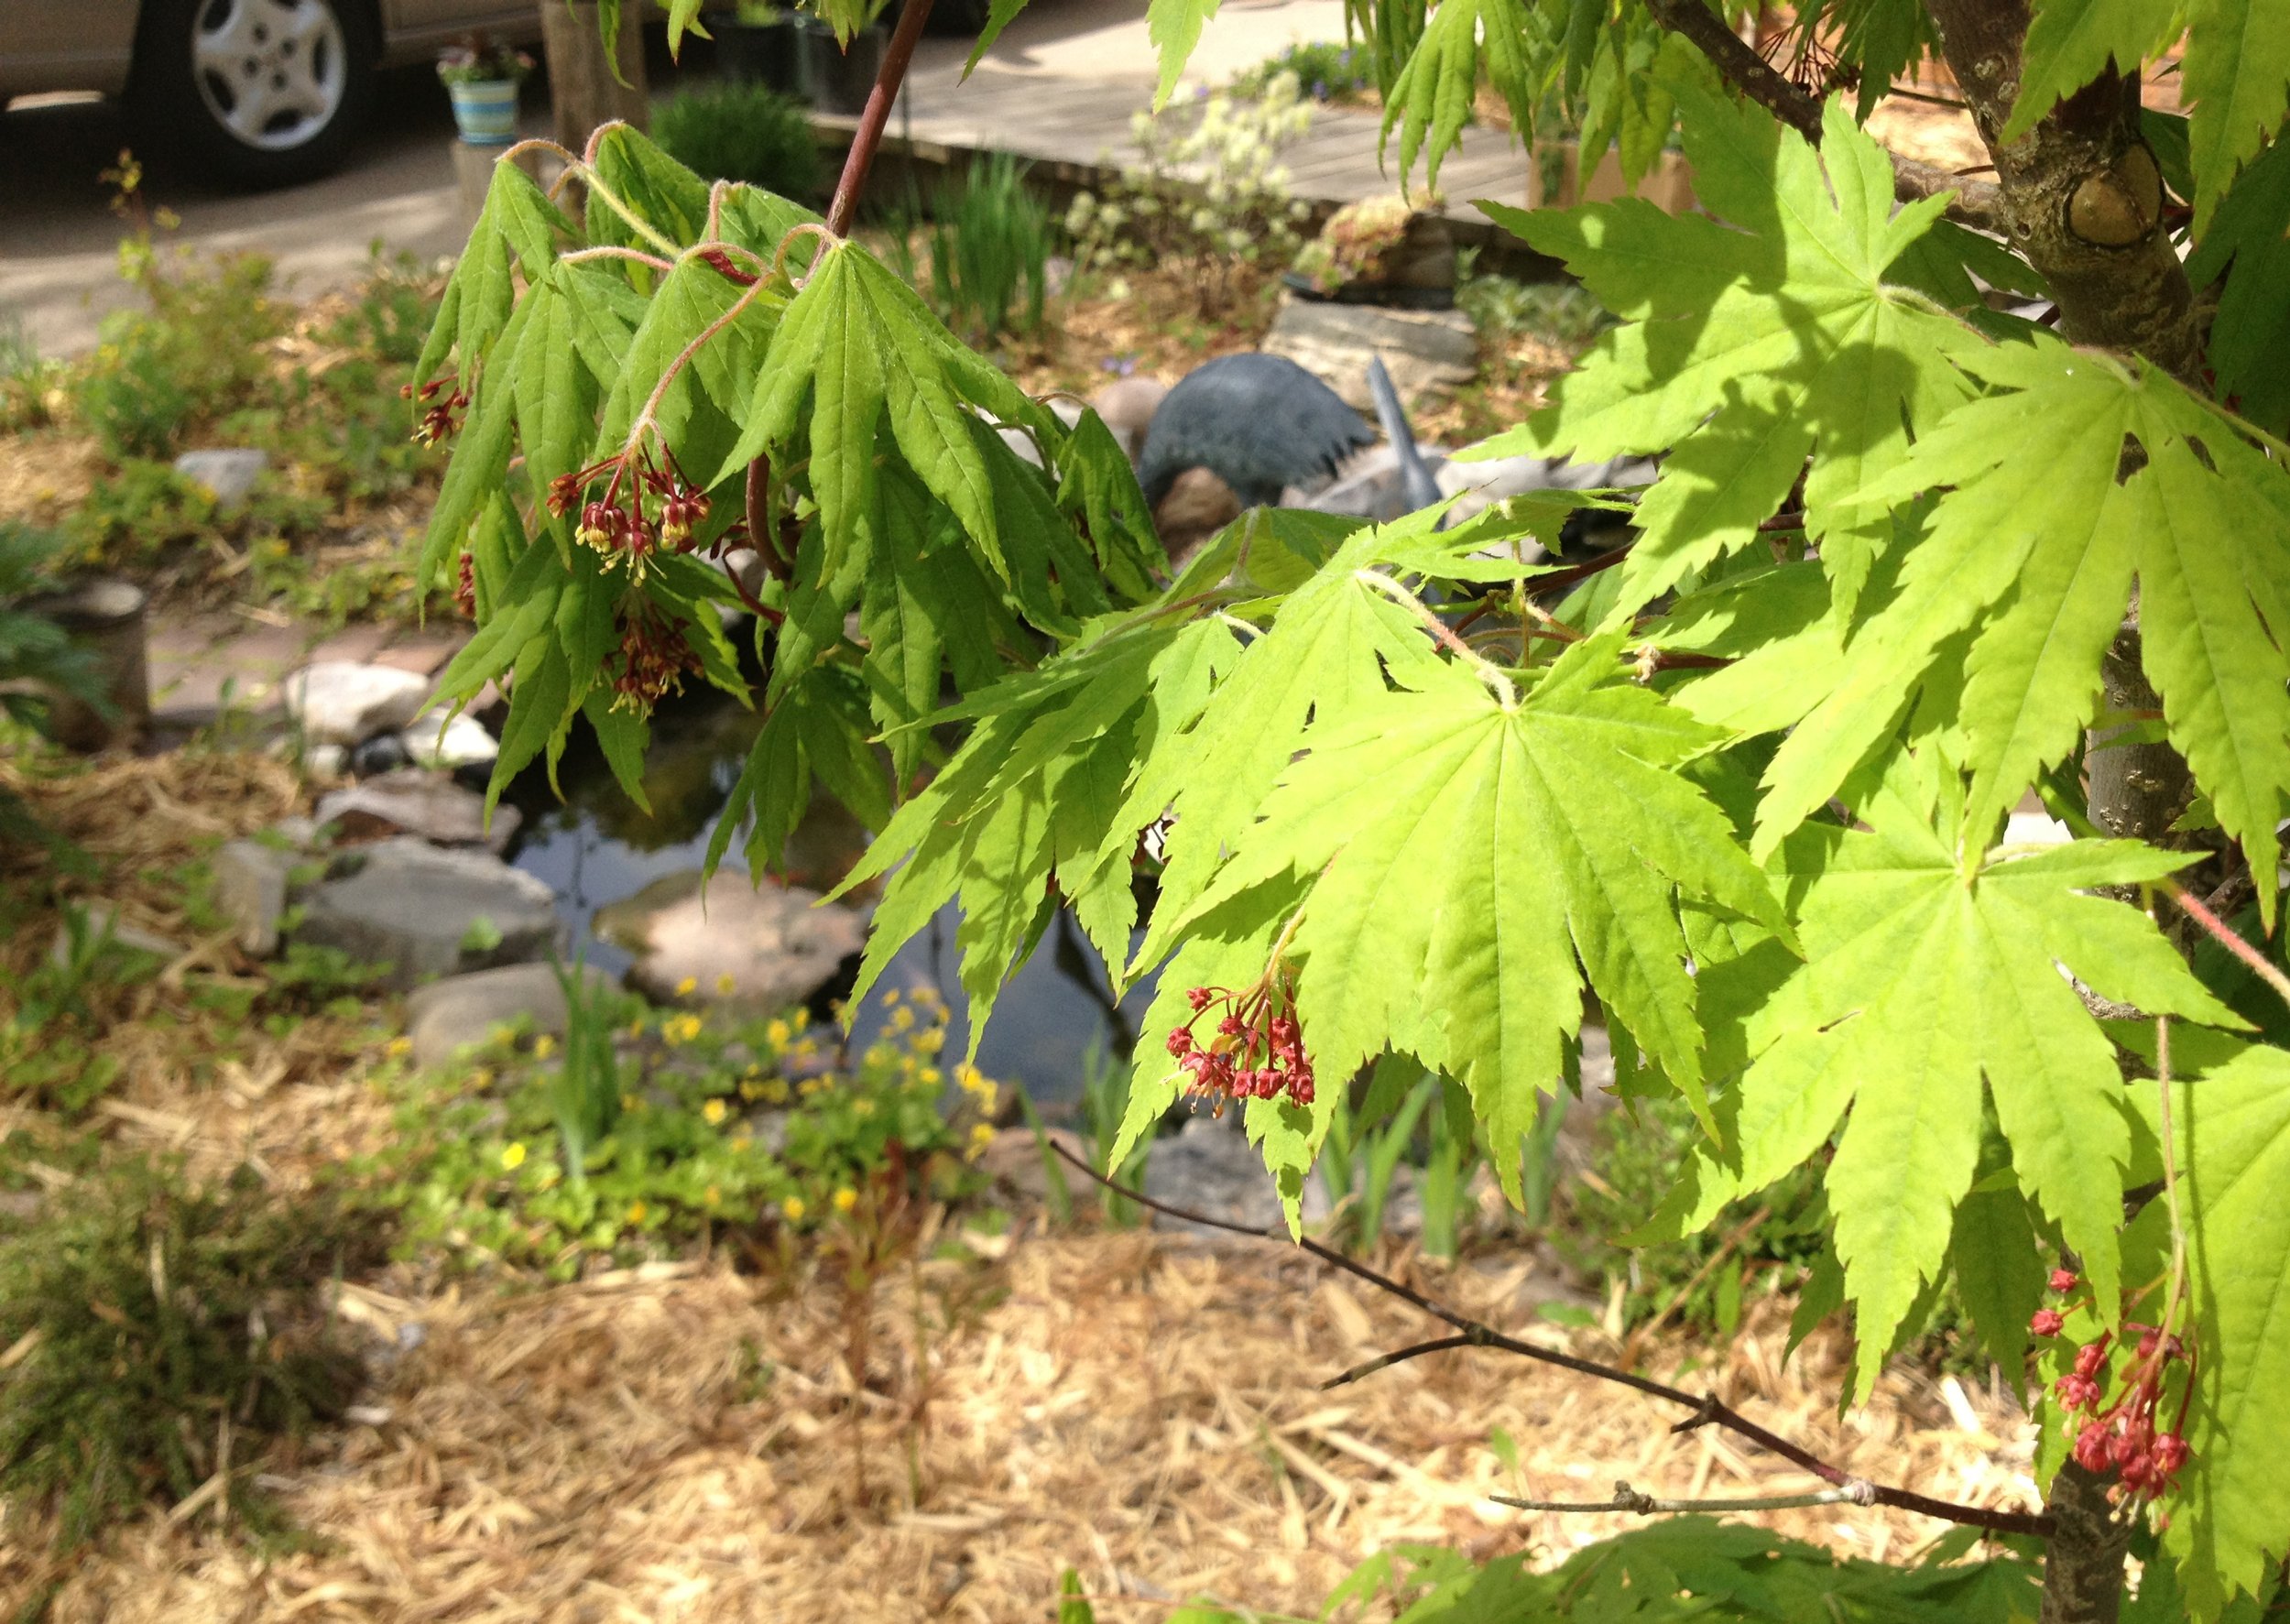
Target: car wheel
(260, 92)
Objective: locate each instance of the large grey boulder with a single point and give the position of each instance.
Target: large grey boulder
(340, 702)
(411, 801)
(759, 948)
(427, 911)
(1426, 352)
(447, 1016)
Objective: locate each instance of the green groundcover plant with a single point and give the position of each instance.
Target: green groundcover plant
(1743, 783)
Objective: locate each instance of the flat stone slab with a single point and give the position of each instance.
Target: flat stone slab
(254, 879)
(449, 1016)
(756, 948)
(228, 474)
(426, 911)
(412, 800)
(1209, 1167)
(1427, 352)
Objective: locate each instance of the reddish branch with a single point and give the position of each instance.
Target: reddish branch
(1977, 201)
(1705, 1410)
(869, 135)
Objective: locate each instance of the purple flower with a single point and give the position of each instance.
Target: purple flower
(1319, 89)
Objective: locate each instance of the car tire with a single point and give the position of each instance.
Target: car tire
(253, 92)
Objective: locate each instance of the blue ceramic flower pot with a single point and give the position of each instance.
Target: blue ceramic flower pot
(486, 111)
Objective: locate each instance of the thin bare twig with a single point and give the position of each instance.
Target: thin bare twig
(1705, 1410)
(1860, 1492)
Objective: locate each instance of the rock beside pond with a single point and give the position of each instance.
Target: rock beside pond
(761, 948)
(412, 801)
(340, 702)
(462, 741)
(1427, 352)
(227, 475)
(1209, 1167)
(448, 1016)
(425, 911)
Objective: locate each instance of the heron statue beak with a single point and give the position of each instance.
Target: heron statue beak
(1416, 484)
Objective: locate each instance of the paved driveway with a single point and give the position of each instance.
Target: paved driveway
(58, 239)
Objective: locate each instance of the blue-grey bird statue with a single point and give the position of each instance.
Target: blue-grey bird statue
(1260, 423)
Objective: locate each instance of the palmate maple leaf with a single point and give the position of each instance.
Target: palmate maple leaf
(1471, 861)
(2232, 1132)
(1926, 976)
(2041, 540)
(1751, 343)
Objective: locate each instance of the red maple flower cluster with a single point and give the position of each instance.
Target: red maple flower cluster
(2122, 1436)
(653, 656)
(1256, 1053)
(645, 508)
(444, 401)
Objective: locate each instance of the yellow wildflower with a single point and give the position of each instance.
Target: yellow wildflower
(802, 1018)
(711, 1195)
(845, 1199)
(863, 1107)
(544, 1046)
(482, 1078)
(807, 1048)
(930, 1076)
(981, 1136)
(638, 1212)
(929, 1040)
(794, 1207)
(679, 1029)
(628, 1102)
(687, 987)
(714, 1112)
(398, 1047)
(741, 1142)
(513, 1156)
(775, 1092)
(751, 1091)
(891, 999)
(776, 1034)
(902, 1020)
(728, 984)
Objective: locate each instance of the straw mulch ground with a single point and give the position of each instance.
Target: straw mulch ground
(677, 1443)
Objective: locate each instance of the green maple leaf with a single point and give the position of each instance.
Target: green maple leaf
(2071, 42)
(2041, 540)
(2237, 77)
(1754, 343)
(1584, 840)
(1174, 27)
(2249, 242)
(858, 346)
(2232, 1131)
(517, 232)
(1433, 93)
(1926, 973)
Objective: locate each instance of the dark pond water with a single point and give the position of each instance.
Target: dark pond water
(596, 847)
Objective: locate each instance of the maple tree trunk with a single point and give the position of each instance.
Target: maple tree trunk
(2082, 197)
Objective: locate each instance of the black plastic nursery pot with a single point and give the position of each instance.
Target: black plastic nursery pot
(834, 78)
(761, 53)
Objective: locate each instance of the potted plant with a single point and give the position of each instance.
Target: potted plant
(757, 43)
(836, 77)
(482, 79)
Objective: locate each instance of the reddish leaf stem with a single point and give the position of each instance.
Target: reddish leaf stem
(2228, 937)
(869, 135)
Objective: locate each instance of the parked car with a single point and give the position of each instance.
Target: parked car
(263, 93)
